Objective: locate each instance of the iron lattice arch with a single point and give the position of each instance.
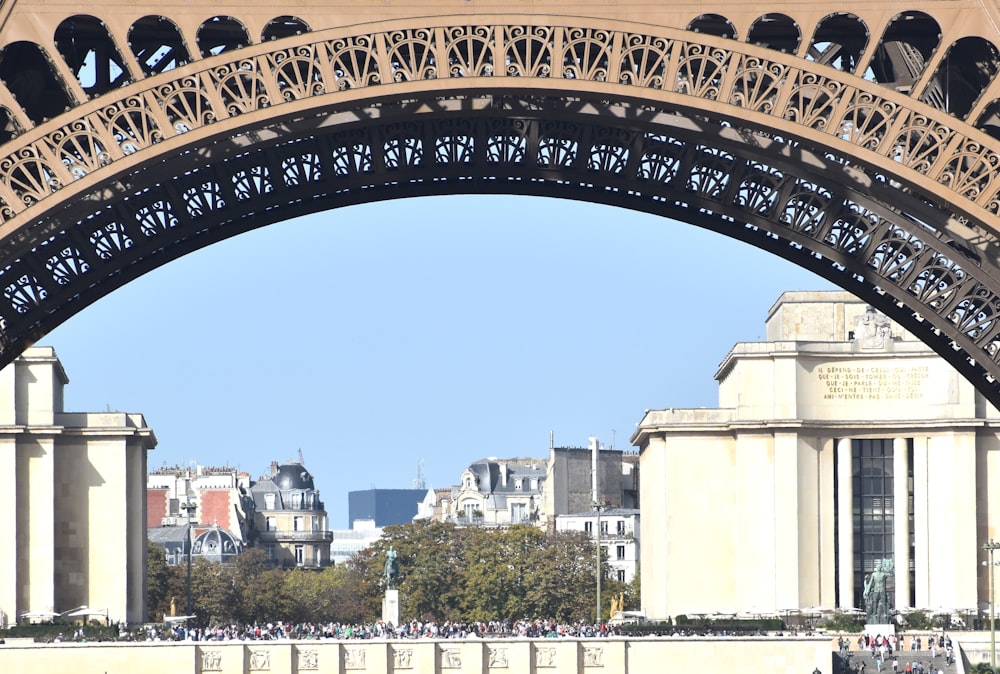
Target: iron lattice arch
(885, 195)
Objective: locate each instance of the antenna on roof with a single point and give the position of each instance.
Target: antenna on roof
(418, 482)
(302, 460)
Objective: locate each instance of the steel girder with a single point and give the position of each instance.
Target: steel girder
(882, 194)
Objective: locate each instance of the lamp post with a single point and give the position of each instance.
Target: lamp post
(189, 509)
(597, 507)
(990, 546)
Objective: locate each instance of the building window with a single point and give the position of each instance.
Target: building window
(296, 500)
(517, 513)
(604, 526)
(517, 484)
(300, 555)
(621, 575)
(269, 501)
(873, 510)
(620, 527)
(271, 524)
(270, 552)
(470, 511)
(534, 484)
(588, 527)
(297, 524)
(621, 552)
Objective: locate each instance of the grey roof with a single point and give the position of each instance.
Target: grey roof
(490, 478)
(610, 512)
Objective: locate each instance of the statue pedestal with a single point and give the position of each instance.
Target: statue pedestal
(390, 607)
(876, 630)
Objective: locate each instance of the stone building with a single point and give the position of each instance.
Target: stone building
(291, 519)
(619, 536)
(497, 492)
(839, 442)
(570, 487)
(204, 495)
(74, 510)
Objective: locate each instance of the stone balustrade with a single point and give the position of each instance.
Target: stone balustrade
(426, 656)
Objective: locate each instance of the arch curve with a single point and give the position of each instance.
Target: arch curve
(886, 196)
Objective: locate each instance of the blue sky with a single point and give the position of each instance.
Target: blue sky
(439, 330)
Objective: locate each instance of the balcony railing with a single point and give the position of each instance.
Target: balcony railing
(284, 535)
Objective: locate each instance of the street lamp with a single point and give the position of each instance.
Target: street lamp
(597, 507)
(189, 509)
(990, 546)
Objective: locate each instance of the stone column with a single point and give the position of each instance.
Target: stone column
(845, 523)
(39, 459)
(901, 521)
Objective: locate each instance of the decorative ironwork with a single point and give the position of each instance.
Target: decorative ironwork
(894, 199)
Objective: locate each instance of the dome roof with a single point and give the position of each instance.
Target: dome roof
(216, 544)
(293, 476)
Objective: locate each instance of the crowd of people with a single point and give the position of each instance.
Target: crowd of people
(888, 653)
(493, 629)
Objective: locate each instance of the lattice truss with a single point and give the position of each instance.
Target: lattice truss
(894, 198)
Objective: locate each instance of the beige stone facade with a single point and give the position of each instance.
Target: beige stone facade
(506, 656)
(74, 510)
(838, 442)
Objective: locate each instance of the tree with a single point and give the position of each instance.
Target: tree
(431, 567)
(498, 571)
(363, 596)
(157, 575)
(258, 588)
(213, 592)
(563, 584)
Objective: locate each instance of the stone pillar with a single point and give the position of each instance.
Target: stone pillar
(921, 522)
(901, 521)
(390, 607)
(845, 523)
(38, 458)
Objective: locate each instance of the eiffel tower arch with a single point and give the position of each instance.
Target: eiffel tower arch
(859, 140)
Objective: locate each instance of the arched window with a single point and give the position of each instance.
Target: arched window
(904, 50)
(157, 45)
(90, 52)
(221, 34)
(283, 26)
(713, 24)
(838, 42)
(775, 31)
(963, 74)
(27, 74)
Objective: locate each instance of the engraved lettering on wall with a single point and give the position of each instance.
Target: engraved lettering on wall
(873, 382)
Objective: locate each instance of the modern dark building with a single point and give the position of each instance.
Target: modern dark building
(385, 506)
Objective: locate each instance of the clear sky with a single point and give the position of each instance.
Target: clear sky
(438, 330)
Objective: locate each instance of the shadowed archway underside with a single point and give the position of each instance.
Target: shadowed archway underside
(881, 194)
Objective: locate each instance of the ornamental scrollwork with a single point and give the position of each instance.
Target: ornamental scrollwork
(211, 661)
(256, 78)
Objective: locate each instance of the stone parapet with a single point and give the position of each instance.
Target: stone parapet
(425, 656)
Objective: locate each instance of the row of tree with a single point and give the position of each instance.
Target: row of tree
(445, 573)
